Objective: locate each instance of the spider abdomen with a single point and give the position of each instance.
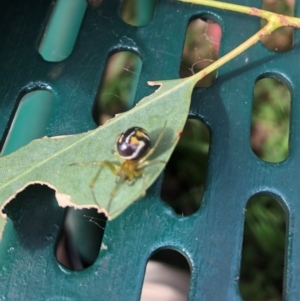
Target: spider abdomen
(133, 144)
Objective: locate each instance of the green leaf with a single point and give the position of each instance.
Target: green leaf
(48, 160)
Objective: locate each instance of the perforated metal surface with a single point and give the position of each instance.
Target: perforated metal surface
(212, 237)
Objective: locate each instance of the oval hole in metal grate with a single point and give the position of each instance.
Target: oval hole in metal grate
(167, 277)
(185, 173)
(62, 29)
(118, 85)
(270, 122)
(201, 48)
(263, 253)
(138, 12)
(30, 120)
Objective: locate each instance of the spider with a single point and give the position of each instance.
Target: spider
(133, 149)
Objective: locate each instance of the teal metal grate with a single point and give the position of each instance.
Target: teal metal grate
(211, 238)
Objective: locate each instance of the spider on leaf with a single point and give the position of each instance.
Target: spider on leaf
(133, 149)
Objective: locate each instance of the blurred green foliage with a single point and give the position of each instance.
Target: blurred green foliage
(270, 120)
(261, 277)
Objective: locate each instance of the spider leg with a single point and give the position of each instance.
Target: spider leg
(116, 154)
(102, 164)
(137, 174)
(143, 185)
(140, 172)
(129, 178)
(149, 163)
(151, 151)
(121, 180)
(87, 163)
(130, 182)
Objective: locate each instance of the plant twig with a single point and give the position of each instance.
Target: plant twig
(267, 29)
(253, 11)
(275, 21)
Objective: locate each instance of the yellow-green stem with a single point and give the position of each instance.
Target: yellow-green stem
(275, 21)
(284, 20)
(267, 29)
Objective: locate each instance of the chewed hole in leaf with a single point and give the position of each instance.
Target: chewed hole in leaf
(35, 215)
(201, 49)
(185, 172)
(118, 86)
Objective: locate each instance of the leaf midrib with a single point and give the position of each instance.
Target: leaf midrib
(168, 91)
